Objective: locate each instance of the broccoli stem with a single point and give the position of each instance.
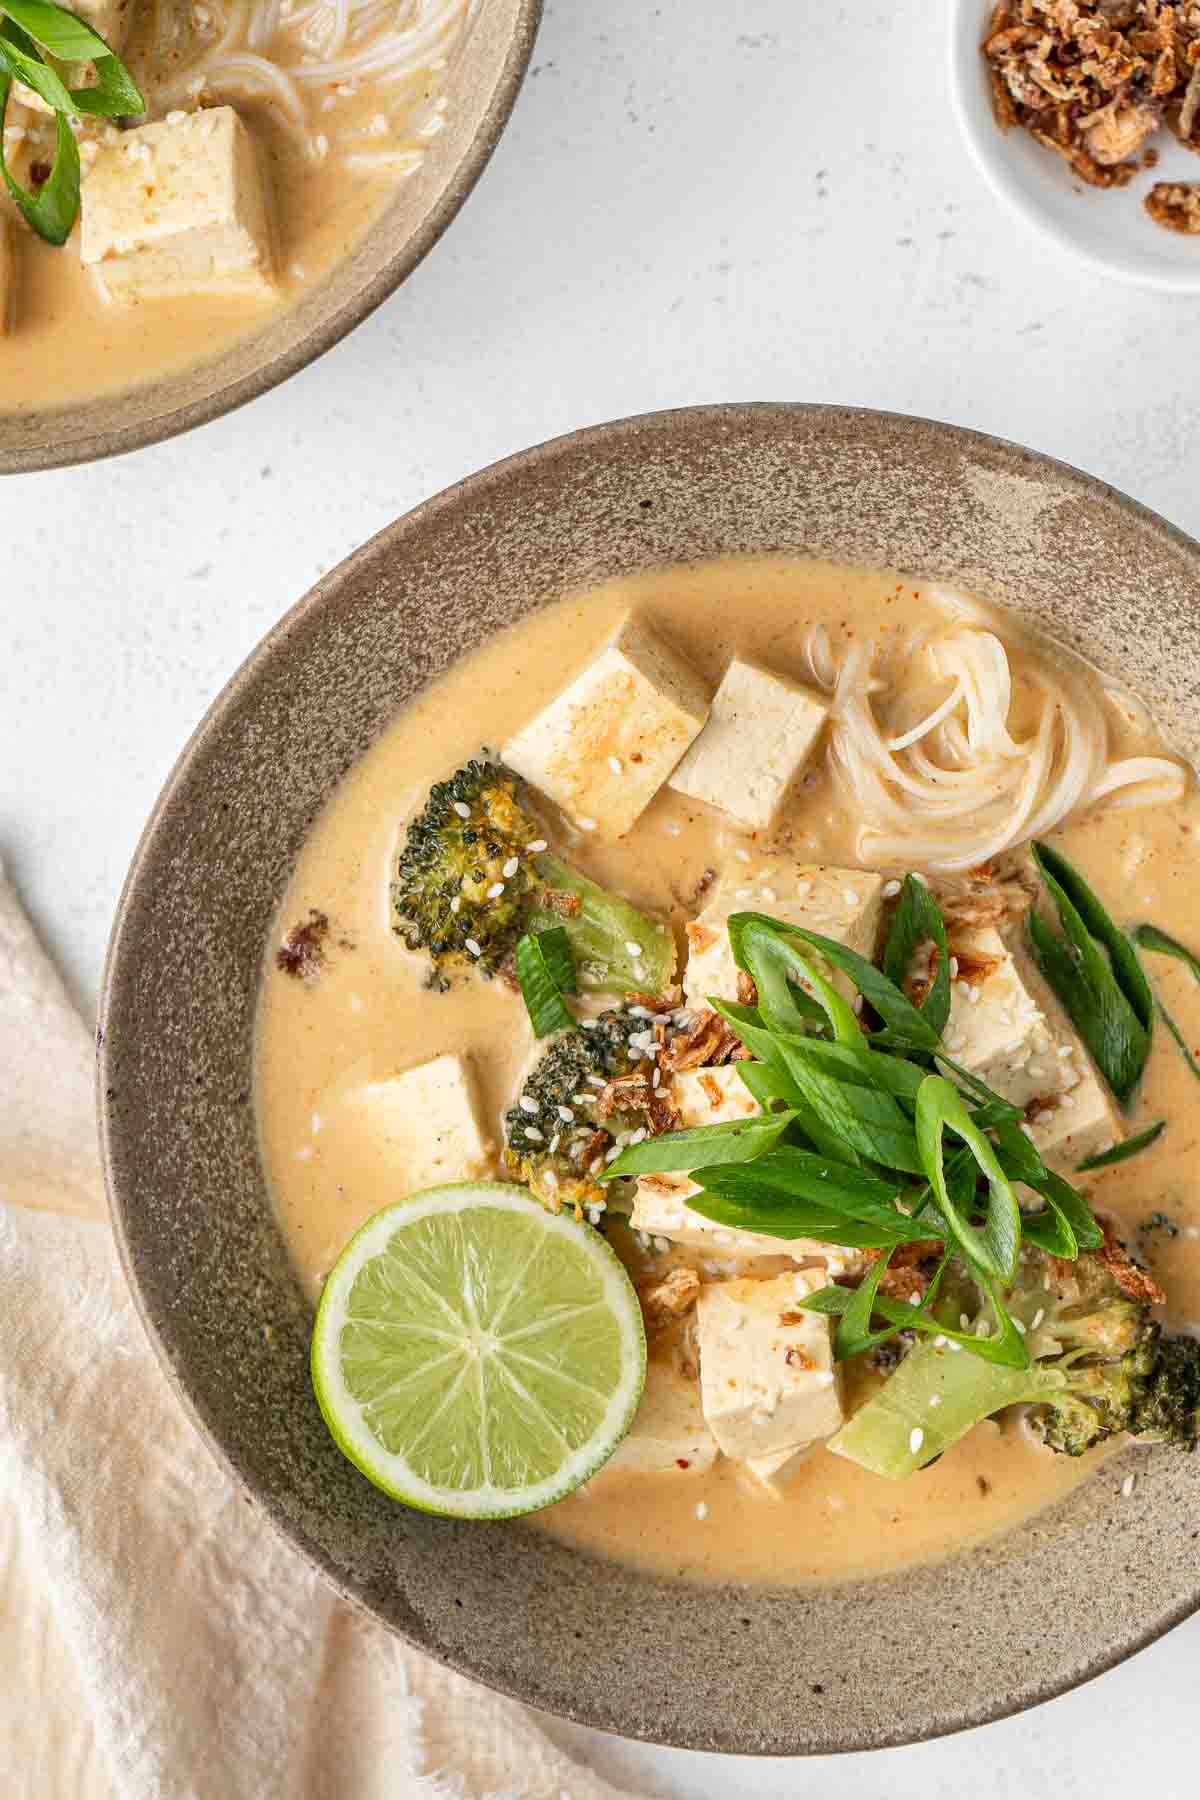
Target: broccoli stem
(601, 933)
(934, 1398)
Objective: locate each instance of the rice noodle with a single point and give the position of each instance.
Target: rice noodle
(963, 784)
(298, 59)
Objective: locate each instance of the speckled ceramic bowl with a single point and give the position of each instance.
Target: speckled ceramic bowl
(783, 1671)
(486, 82)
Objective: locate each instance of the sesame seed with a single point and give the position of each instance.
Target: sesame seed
(616, 765)
(935, 1400)
(526, 1104)
(566, 1115)
(510, 868)
(849, 896)
(597, 1080)
(473, 947)
(656, 1078)
(456, 904)
(495, 891)
(940, 1342)
(538, 845)
(555, 1141)
(951, 1345)
(590, 1025)
(316, 1123)
(954, 968)
(304, 1155)
(743, 894)
(1128, 1485)
(964, 1324)
(586, 824)
(768, 893)
(356, 1004)
(1020, 1325)
(462, 809)
(742, 855)
(633, 948)
(612, 1155)
(701, 1510)
(916, 1438)
(581, 1099)
(1038, 1316)
(890, 889)
(534, 1135)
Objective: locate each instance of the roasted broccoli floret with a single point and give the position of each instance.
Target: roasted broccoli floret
(555, 1139)
(1101, 1366)
(475, 873)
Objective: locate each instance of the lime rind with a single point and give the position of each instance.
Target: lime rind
(556, 1391)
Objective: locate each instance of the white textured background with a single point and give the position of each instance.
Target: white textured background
(694, 202)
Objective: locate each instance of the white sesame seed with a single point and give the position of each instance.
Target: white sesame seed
(964, 1324)
(356, 1004)
(566, 1115)
(1128, 1485)
(656, 1078)
(935, 1400)
(633, 948)
(940, 1342)
(744, 894)
(849, 896)
(316, 1123)
(982, 1328)
(951, 1345)
(954, 968)
(701, 1510)
(612, 1155)
(495, 891)
(456, 904)
(586, 824)
(616, 765)
(590, 1025)
(538, 845)
(742, 855)
(973, 995)
(581, 1099)
(555, 1141)
(534, 1135)
(304, 1155)
(527, 1105)
(597, 1080)
(890, 889)
(768, 893)
(510, 868)
(473, 947)
(462, 809)
(914, 1299)
(916, 1438)
(1020, 1325)
(1038, 1316)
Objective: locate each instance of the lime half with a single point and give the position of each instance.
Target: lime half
(476, 1355)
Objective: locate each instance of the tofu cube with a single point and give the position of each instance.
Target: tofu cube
(761, 732)
(669, 1433)
(1076, 1124)
(712, 1096)
(997, 1029)
(768, 1381)
(427, 1122)
(602, 750)
(178, 208)
(772, 1473)
(8, 277)
(843, 904)
(660, 1209)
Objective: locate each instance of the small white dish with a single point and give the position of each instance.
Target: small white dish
(1109, 228)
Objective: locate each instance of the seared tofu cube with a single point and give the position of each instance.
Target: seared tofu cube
(8, 276)
(712, 1096)
(997, 1028)
(669, 1433)
(178, 207)
(761, 732)
(1074, 1125)
(768, 1381)
(843, 904)
(427, 1121)
(772, 1473)
(661, 1210)
(605, 746)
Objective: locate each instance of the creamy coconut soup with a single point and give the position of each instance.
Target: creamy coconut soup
(793, 742)
(272, 133)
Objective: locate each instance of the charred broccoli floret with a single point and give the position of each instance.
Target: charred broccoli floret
(1101, 1366)
(475, 873)
(555, 1139)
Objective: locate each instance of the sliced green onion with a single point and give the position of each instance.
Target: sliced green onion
(994, 1248)
(701, 1147)
(1122, 1152)
(918, 920)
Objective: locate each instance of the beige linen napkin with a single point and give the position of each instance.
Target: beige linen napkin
(161, 1642)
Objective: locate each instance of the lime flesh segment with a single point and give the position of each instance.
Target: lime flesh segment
(475, 1355)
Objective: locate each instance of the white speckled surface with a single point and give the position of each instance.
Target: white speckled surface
(685, 208)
